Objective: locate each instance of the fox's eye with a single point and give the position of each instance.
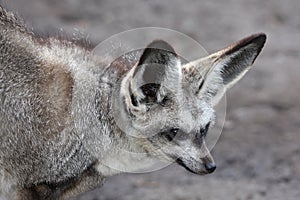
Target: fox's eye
(203, 131)
(174, 130)
(172, 133)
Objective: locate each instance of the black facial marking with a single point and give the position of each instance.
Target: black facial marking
(180, 162)
(202, 133)
(205, 130)
(171, 133)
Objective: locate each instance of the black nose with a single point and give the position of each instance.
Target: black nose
(210, 167)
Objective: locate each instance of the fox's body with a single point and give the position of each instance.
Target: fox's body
(58, 127)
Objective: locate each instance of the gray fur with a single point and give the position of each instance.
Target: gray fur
(66, 119)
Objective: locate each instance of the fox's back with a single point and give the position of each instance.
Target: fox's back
(37, 142)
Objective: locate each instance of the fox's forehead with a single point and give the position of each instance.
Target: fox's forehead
(195, 113)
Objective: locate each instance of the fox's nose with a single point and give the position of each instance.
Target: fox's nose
(210, 167)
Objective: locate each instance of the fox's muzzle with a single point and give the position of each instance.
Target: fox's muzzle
(207, 167)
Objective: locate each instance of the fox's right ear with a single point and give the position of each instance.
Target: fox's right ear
(221, 70)
(157, 72)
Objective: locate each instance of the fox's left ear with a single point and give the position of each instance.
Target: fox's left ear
(221, 70)
(157, 71)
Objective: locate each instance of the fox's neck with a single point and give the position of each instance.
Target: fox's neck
(126, 156)
(120, 151)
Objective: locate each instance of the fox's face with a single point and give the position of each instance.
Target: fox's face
(171, 104)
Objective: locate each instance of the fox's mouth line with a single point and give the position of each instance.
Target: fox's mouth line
(180, 162)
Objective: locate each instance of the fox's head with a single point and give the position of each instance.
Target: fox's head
(171, 104)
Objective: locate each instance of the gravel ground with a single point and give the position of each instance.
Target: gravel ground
(258, 154)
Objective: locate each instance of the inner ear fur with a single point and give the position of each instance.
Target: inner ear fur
(158, 67)
(221, 70)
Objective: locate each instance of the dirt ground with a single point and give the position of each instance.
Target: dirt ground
(258, 154)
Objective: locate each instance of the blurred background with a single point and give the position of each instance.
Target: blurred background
(258, 154)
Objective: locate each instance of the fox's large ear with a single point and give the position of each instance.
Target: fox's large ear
(219, 71)
(157, 72)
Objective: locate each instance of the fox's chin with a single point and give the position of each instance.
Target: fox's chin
(198, 172)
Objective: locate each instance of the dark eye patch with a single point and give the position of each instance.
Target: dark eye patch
(176, 135)
(203, 131)
(171, 133)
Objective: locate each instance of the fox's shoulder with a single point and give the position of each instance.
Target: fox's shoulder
(45, 65)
